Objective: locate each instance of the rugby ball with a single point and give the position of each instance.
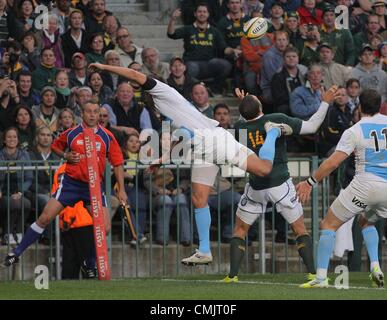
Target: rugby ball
(255, 28)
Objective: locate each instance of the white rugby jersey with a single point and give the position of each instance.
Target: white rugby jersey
(368, 139)
(178, 110)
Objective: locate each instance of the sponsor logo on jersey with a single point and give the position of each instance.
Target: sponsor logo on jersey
(359, 203)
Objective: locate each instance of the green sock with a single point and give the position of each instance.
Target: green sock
(305, 250)
(237, 251)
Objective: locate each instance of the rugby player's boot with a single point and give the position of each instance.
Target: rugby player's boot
(377, 277)
(9, 260)
(286, 130)
(198, 258)
(315, 284)
(311, 276)
(230, 280)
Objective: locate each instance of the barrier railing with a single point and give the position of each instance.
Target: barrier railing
(137, 258)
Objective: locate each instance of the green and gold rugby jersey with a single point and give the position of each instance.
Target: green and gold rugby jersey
(256, 135)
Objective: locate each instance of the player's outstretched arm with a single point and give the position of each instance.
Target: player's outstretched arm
(127, 73)
(313, 124)
(326, 168)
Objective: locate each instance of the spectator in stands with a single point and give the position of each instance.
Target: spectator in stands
(40, 188)
(25, 16)
(66, 120)
(101, 93)
(379, 7)
(9, 99)
(292, 24)
(179, 79)
(309, 53)
(30, 55)
(28, 96)
(337, 120)
(46, 113)
(75, 39)
(78, 73)
(340, 40)
(7, 20)
(383, 55)
(272, 62)
(94, 20)
(50, 38)
(133, 178)
(168, 196)
(125, 47)
(353, 92)
(309, 14)
(23, 121)
(110, 27)
(152, 66)
(203, 44)
(287, 80)
(63, 92)
(276, 21)
(305, 100)
(11, 65)
(104, 121)
(251, 7)
(110, 79)
(44, 75)
(333, 73)
(216, 11)
(96, 48)
(200, 99)
(252, 53)
(372, 27)
(15, 207)
(287, 5)
(222, 114)
(82, 95)
(370, 75)
(62, 10)
(127, 110)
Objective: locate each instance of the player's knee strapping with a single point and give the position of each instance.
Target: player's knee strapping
(267, 151)
(237, 251)
(203, 223)
(305, 250)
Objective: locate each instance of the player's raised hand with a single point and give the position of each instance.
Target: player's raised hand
(329, 95)
(303, 191)
(240, 93)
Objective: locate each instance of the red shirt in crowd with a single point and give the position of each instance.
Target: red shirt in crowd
(106, 146)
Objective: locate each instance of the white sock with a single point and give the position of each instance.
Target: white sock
(321, 274)
(375, 264)
(36, 228)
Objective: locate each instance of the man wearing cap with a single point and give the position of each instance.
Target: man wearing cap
(340, 40)
(333, 73)
(276, 21)
(78, 73)
(45, 74)
(179, 79)
(287, 5)
(379, 7)
(75, 39)
(46, 114)
(370, 75)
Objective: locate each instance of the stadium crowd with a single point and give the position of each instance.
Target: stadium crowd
(44, 80)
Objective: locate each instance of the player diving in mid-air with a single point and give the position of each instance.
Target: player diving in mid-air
(277, 187)
(184, 115)
(365, 195)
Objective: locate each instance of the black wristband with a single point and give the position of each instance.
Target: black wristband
(149, 84)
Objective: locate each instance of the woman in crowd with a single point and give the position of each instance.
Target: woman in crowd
(63, 92)
(96, 48)
(101, 92)
(23, 121)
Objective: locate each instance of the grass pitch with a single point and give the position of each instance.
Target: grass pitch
(250, 287)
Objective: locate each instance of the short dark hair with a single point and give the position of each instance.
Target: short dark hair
(202, 4)
(370, 101)
(352, 81)
(250, 107)
(221, 106)
(23, 73)
(290, 49)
